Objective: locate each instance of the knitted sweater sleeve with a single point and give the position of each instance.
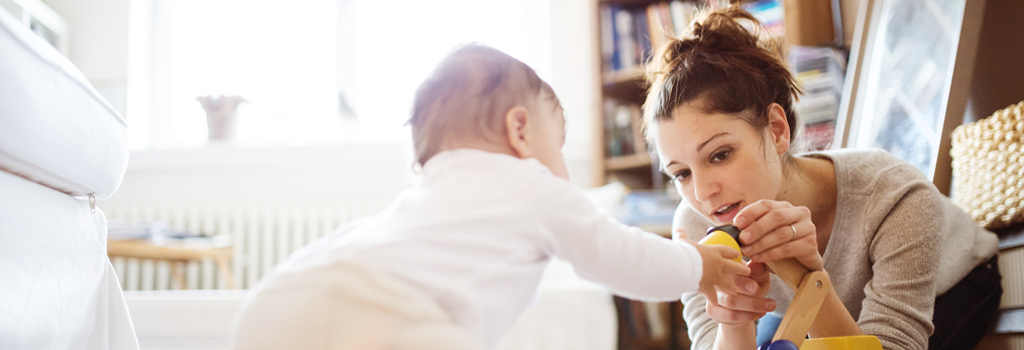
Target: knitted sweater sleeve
(903, 253)
(701, 328)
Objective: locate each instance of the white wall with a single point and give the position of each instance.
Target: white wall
(98, 43)
(214, 175)
(573, 81)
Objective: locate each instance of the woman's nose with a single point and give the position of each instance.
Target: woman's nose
(704, 188)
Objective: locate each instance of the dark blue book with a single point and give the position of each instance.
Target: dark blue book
(643, 35)
(616, 56)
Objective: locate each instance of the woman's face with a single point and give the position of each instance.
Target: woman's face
(718, 162)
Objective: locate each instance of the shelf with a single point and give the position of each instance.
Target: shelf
(628, 162)
(627, 77)
(626, 86)
(630, 2)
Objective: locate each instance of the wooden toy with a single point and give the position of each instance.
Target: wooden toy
(811, 287)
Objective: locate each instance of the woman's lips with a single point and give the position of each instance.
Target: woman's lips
(726, 217)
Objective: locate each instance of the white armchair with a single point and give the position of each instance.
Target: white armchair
(61, 148)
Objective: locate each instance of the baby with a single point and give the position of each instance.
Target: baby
(454, 261)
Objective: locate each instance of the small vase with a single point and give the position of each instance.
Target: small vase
(221, 116)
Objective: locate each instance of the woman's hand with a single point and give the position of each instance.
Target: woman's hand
(774, 230)
(749, 304)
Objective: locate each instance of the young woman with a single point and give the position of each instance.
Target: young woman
(907, 265)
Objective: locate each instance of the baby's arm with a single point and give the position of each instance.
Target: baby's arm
(719, 269)
(629, 261)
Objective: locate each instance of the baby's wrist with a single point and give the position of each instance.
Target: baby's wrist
(733, 330)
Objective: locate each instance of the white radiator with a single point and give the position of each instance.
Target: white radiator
(263, 234)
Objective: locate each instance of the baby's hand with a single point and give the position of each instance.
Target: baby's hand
(720, 270)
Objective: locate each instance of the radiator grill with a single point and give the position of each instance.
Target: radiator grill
(262, 234)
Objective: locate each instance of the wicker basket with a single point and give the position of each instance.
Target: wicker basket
(988, 168)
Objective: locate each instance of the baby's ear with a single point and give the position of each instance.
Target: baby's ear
(516, 120)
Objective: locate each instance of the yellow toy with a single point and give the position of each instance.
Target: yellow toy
(727, 235)
(811, 288)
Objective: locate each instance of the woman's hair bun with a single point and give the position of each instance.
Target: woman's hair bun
(716, 32)
(724, 62)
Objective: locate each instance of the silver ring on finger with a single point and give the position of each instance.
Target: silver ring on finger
(794, 233)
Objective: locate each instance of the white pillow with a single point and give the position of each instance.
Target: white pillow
(55, 129)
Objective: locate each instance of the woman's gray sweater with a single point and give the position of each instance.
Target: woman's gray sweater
(896, 244)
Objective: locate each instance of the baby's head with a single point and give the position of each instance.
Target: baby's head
(481, 98)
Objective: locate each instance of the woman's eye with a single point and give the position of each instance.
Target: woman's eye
(681, 175)
(720, 156)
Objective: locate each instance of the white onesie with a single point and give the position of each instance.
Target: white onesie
(478, 231)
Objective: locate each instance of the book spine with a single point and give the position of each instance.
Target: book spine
(682, 15)
(636, 125)
(667, 27)
(643, 37)
(640, 326)
(655, 28)
(658, 320)
(622, 132)
(609, 60)
(625, 43)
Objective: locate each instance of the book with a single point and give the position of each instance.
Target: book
(819, 136)
(652, 211)
(621, 129)
(630, 34)
(659, 25)
(642, 31)
(820, 72)
(625, 40)
(770, 14)
(133, 229)
(665, 11)
(659, 321)
(682, 14)
(628, 326)
(159, 233)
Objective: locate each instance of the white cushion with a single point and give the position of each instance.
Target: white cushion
(57, 288)
(55, 129)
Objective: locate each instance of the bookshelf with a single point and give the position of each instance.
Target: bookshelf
(621, 147)
(624, 35)
(643, 24)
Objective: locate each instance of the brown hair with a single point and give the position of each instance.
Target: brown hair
(467, 96)
(723, 65)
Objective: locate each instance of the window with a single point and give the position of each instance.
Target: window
(311, 71)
